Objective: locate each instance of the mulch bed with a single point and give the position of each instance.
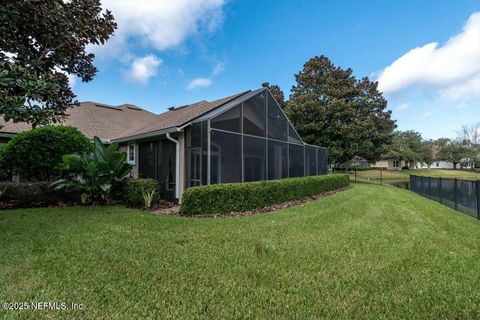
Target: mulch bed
(174, 209)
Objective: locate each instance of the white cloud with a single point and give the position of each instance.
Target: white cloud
(159, 24)
(142, 69)
(425, 116)
(199, 83)
(218, 68)
(451, 70)
(402, 107)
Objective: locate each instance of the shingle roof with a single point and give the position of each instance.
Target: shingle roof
(114, 122)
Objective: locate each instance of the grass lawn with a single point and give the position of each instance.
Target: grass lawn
(376, 175)
(369, 252)
(444, 173)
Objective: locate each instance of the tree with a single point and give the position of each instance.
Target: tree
(41, 43)
(330, 107)
(408, 146)
(451, 150)
(426, 155)
(470, 135)
(34, 154)
(276, 92)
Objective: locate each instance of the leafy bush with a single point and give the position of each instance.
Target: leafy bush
(221, 198)
(135, 190)
(33, 194)
(94, 173)
(405, 168)
(34, 154)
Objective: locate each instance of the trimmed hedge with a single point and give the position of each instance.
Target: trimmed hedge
(34, 194)
(236, 197)
(133, 192)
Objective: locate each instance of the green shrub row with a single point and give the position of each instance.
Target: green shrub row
(133, 192)
(236, 197)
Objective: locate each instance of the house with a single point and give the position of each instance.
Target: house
(243, 137)
(389, 164)
(464, 164)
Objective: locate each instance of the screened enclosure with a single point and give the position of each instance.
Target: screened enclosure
(248, 140)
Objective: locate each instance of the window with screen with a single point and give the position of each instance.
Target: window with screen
(254, 118)
(254, 157)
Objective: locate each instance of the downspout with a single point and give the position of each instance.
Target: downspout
(177, 165)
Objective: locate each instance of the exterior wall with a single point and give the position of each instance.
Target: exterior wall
(444, 165)
(389, 164)
(123, 148)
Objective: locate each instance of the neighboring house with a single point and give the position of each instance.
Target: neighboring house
(445, 165)
(390, 164)
(243, 137)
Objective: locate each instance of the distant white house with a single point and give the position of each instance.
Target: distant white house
(444, 165)
(397, 164)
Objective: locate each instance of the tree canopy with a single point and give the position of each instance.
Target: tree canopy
(41, 43)
(276, 92)
(406, 145)
(330, 107)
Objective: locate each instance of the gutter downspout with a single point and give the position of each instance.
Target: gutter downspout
(177, 165)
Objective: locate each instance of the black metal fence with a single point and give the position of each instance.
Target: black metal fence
(461, 195)
(379, 176)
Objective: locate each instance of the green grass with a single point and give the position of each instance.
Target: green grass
(369, 252)
(444, 173)
(403, 175)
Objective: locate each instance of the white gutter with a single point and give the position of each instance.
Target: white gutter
(177, 165)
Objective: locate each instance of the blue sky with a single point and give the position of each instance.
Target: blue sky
(425, 54)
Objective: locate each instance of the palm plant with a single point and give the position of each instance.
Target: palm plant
(94, 173)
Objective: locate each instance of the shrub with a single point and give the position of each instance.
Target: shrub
(135, 190)
(94, 173)
(33, 194)
(34, 154)
(221, 198)
(405, 168)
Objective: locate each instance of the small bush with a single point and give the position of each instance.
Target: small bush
(405, 168)
(34, 154)
(34, 194)
(235, 197)
(135, 189)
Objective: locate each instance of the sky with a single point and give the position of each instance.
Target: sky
(424, 54)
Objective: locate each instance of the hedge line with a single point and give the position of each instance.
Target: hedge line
(236, 197)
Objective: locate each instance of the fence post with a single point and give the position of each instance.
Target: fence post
(455, 193)
(381, 176)
(440, 189)
(355, 175)
(477, 185)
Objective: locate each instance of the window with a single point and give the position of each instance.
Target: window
(254, 154)
(254, 115)
(437, 164)
(322, 161)
(296, 156)
(131, 153)
(229, 120)
(277, 122)
(147, 155)
(277, 160)
(225, 157)
(311, 160)
(396, 164)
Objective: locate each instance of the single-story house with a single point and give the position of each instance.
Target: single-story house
(243, 137)
(389, 164)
